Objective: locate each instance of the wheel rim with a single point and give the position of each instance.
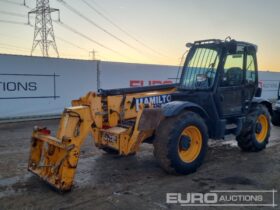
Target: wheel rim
(261, 128)
(190, 144)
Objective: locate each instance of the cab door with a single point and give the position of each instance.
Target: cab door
(230, 90)
(251, 80)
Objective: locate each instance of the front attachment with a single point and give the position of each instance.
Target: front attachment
(54, 159)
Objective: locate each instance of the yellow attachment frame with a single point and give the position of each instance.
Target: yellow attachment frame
(55, 159)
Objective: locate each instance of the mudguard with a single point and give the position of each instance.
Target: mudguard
(259, 100)
(176, 107)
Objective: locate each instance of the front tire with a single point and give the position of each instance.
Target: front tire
(256, 131)
(180, 143)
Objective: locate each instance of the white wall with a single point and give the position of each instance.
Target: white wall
(32, 86)
(18, 74)
(120, 75)
(269, 82)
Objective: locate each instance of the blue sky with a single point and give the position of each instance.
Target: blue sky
(162, 25)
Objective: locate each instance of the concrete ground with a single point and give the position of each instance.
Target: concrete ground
(109, 182)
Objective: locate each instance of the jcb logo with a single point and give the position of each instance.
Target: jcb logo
(141, 83)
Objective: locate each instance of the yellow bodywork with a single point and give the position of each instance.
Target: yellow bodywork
(114, 121)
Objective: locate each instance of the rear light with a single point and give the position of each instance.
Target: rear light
(44, 131)
(105, 127)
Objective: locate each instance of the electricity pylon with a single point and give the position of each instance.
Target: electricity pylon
(43, 34)
(93, 53)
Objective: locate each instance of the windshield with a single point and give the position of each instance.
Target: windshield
(200, 69)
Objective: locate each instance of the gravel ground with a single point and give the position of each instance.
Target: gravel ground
(136, 182)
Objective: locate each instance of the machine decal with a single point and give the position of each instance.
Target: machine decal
(156, 101)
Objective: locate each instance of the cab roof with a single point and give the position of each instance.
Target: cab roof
(225, 42)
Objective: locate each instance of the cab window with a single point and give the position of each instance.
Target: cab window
(250, 70)
(233, 70)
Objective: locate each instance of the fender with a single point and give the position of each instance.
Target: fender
(175, 107)
(266, 103)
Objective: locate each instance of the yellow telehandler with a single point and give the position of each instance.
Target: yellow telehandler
(217, 95)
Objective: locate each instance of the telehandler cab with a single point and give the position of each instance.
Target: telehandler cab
(215, 97)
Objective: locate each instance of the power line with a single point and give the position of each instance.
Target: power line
(100, 6)
(10, 36)
(12, 51)
(72, 44)
(120, 28)
(12, 47)
(73, 31)
(73, 56)
(12, 14)
(14, 3)
(16, 48)
(27, 51)
(13, 22)
(96, 25)
(88, 38)
(10, 2)
(9, 45)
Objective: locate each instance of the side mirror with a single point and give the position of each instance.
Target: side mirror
(201, 78)
(258, 92)
(202, 81)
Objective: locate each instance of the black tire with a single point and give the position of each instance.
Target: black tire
(276, 118)
(247, 140)
(168, 137)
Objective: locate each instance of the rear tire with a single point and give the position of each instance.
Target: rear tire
(256, 131)
(180, 143)
(276, 118)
